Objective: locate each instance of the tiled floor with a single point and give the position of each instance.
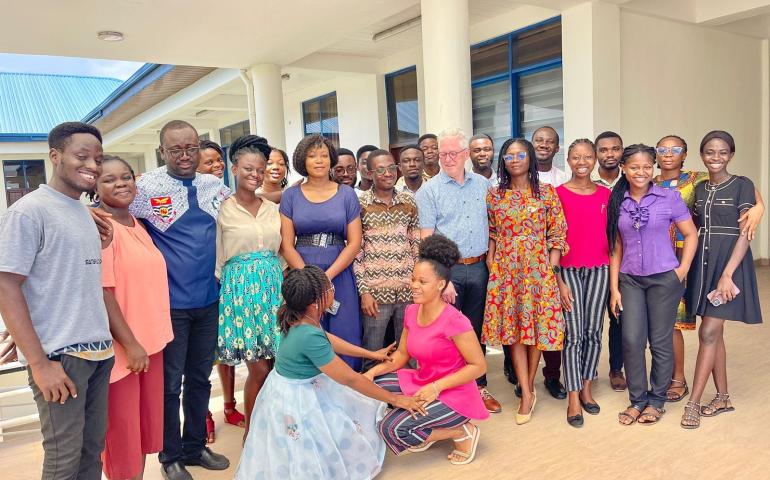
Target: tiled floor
(730, 446)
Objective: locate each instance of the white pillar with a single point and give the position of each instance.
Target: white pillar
(268, 103)
(764, 169)
(150, 161)
(591, 69)
(446, 60)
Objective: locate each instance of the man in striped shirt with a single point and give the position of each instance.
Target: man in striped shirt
(383, 267)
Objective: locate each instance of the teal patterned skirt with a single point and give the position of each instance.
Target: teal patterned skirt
(248, 303)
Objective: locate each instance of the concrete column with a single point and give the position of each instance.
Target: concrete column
(268, 103)
(591, 69)
(764, 162)
(446, 60)
(150, 160)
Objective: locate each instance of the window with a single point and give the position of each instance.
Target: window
(319, 115)
(516, 83)
(403, 113)
(227, 136)
(22, 177)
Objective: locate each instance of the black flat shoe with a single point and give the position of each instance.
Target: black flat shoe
(510, 375)
(517, 390)
(575, 420)
(209, 460)
(591, 408)
(555, 388)
(175, 471)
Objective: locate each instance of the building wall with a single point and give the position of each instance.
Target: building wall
(21, 151)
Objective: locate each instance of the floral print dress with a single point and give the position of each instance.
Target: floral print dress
(523, 304)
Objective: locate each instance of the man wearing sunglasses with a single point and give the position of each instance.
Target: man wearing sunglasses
(179, 208)
(383, 267)
(453, 204)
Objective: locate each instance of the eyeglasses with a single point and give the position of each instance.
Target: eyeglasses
(518, 156)
(450, 155)
(671, 150)
(381, 170)
(350, 170)
(178, 153)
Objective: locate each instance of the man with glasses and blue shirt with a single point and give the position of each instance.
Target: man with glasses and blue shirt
(453, 203)
(179, 208)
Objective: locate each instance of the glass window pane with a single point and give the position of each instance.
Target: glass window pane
(489, 60)
(14, 175)
(540, 103)
(537, 45)
(35, 173)
(403, 112)
(492, 111)
(311, 115)
(329, 121)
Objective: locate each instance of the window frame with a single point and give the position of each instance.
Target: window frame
(320, 100)
(513, 75)
(388, 95)
(24, 163)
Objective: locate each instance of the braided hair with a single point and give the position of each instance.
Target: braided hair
(620, 189)
(442, 254)
(581, 141)
(301, 288)
(92, 195)
(249, 144)
(505, 177)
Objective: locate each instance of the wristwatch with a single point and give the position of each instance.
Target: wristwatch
(556, 269)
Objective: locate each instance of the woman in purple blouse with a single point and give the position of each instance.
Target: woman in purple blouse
(646, 279)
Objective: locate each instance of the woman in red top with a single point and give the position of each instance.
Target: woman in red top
(584, 279)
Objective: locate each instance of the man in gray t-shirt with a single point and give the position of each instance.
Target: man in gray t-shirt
(51, 301)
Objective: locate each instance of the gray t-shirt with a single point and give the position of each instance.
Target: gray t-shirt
(52, 240)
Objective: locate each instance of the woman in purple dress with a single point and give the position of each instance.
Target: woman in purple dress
(321, 225)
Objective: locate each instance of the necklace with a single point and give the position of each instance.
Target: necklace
(312, 320)
(711, 184)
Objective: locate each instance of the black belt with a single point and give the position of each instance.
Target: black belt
(319, 240)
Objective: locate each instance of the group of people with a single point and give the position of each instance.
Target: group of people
(362, 307)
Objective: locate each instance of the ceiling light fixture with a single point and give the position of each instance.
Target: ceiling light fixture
(396, 29)
(109, 36)
(286, 76)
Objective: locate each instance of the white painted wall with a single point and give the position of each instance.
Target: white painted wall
(687, 80)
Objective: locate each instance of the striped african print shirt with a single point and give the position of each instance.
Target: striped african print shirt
(391, 236)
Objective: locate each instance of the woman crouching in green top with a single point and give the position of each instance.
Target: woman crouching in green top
(315, 417)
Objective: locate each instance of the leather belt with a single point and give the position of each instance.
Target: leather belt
(472, 260)
(319, 240)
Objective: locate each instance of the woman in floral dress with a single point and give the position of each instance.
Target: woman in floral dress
(527, 236)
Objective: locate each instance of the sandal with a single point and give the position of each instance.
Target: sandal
(467, 457)
(626, 415)
(691, 416)
(211, 437)
(652, 414)
(421, 448)
(671, 395)
(711, 410)
(234, 417)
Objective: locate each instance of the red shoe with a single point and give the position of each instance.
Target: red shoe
(211, 437)
(233, 416)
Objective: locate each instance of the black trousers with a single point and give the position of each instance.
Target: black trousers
(470, 282)
(187, 364)
(649, 314)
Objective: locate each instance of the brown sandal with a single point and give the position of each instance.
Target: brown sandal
(671, 395)
(652, 413)
(711, 410)
(625, 414)
(691, 416)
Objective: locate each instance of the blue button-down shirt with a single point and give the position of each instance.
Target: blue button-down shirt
(456, 211)
(644, 231)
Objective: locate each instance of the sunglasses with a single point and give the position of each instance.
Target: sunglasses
(667, 150)
(518, 156)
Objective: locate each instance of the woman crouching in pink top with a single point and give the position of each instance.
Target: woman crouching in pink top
(442, 341)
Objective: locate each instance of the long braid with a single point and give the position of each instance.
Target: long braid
(619, 191)
(301, 288)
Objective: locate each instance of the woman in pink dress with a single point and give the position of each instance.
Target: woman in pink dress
(449, 356)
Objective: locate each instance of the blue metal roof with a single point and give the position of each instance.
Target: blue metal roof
(32, 104)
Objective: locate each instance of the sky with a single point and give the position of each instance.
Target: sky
(89, 67)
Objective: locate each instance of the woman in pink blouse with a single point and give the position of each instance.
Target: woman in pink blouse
(449, 356)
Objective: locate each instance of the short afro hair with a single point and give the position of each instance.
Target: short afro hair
(344, 151)
(61, 134)
(376, 153)
(426, 137)
(311, 142)
(175, 125)
(363, 150)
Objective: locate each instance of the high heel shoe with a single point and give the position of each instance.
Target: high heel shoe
(521, 418)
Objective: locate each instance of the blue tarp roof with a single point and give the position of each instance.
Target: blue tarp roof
(31, 104)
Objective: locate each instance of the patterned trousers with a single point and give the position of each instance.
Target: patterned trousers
(583, 333)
